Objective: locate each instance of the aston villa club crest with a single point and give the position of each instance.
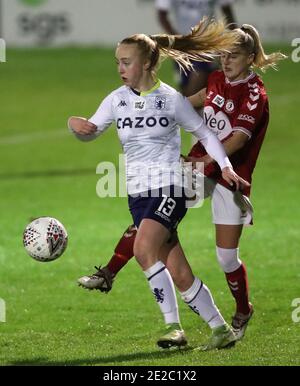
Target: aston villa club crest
(160, 102)
(159, 295)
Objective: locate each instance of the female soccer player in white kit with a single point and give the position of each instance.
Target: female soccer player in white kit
(148, 114)
(236, 108)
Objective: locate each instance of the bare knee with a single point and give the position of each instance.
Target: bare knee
(145, 255)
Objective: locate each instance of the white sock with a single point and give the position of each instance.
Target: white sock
(199, 299)
(162, 287)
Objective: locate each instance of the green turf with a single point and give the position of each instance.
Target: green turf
(45, 171)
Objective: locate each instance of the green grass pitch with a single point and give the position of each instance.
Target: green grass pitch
(45, 171)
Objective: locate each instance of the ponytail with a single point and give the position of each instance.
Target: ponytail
(207, 40)
(249, 39)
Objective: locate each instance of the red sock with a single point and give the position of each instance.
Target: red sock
(238, 284)
(123, 251)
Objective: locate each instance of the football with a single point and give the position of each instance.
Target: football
(45, 239)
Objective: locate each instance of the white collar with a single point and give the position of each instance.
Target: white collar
(235, 82)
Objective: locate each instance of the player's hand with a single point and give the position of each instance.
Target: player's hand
(82, 126)
(232, 178)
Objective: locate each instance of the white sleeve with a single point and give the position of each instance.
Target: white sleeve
(191, 122)
(102, 118)
(163, 5)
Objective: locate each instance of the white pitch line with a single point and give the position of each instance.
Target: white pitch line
(33, 136)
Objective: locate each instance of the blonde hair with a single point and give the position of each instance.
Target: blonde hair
(207, 40)
(249, 40)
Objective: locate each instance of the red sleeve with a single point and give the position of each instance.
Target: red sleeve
(198, 150)
(250, 112)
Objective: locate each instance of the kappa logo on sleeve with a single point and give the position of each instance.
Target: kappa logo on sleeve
(218, 100)
(122, 103)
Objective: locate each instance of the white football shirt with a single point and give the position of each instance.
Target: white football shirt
(188, 13)
(148, 127)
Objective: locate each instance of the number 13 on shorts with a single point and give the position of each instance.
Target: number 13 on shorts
(167, 205)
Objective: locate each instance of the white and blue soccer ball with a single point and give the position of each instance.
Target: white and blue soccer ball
(45, 239)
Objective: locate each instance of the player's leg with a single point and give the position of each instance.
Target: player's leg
(171, 333)
(227, 240)
(123, 251)
(150, 238)
(198, 297)
(103, 278)
(229, 220)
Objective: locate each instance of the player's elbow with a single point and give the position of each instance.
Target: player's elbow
(240, 139)
(85, 137)
(70, 122)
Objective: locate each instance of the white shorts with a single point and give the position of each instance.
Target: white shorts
(228, 208)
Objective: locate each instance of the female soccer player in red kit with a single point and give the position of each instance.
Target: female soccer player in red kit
(236, 109)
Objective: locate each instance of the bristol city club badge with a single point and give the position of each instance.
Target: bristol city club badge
(229, 106)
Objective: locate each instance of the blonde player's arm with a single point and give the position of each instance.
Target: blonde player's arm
(89, 129)
(81, 126)
(235, 142)
(82, 129)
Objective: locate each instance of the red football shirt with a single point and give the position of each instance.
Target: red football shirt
(231, 106)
